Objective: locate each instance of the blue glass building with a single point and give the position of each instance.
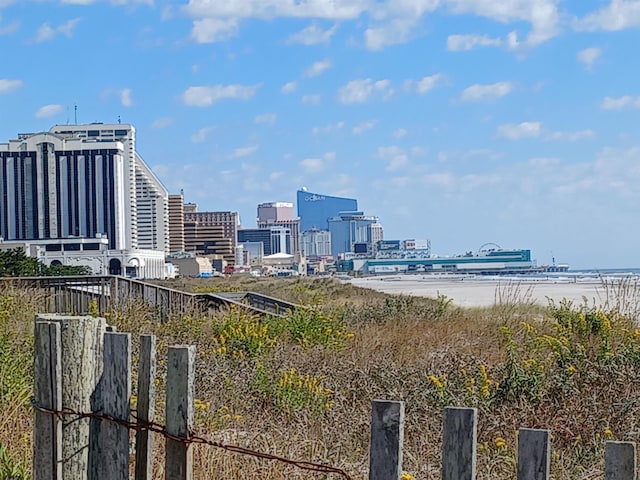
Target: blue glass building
(348, 229)
(315, 209)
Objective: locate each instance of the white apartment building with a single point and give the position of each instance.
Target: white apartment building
(82, 181)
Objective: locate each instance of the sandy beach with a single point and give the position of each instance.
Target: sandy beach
(478, 292)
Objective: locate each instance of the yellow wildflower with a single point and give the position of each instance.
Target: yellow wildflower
(500, 442)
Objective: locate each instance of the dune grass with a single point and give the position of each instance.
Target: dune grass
(301, 387)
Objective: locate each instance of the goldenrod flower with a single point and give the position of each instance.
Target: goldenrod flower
(500, 442)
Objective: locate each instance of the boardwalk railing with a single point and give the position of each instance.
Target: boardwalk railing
(75, 294)
(82, 414)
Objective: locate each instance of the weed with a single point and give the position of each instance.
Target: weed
(12, 468)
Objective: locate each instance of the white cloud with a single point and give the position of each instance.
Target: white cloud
(245, 151)
(125, 97)
(49, 111)
(311, 99)
(328, 128)
(394, 156)
(312, 164)
(359, 91)
(163, 122)
(390, 22)
(462, 43)
(571, 136)
(428, 83)
(204, 96)
(513, 131)
(7, 86)
(628, 101)
(202, 134)
(313, 35)
(289, 87)
(268, 9)
(439, 179)
(266, 119)
(618, 15)
(47, 32)
(588, 56)
(211, 30)
(318, 67)
(10, 28)
(393, 32)
(543, 16)
(363, 126)
(399, 133)
(481, 93)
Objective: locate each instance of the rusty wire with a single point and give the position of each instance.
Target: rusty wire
(193, 438)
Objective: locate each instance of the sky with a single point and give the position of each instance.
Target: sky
(464, 122)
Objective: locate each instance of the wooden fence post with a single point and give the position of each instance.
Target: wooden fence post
(387, 435)
(111, 447)
(47, 432)
(534, 454)
(82, 344)
(620, 461)
(179, 412)
(145, 408)
(459, 441)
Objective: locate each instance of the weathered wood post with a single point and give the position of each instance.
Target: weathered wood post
(82, 347)
(179, 412)
(111, 447)
(620, 461)
(145, 409)
(47, 433)
(534, 454)
(459, 443)
(387, 436)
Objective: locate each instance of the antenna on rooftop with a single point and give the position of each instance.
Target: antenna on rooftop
(67, 114)
(75, 113)
(118, 119)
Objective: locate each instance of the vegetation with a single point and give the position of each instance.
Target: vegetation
(15, 263)
(302, 386)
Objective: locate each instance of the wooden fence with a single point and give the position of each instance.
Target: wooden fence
(110, 292)
(82, 416)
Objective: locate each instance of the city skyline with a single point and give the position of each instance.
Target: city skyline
(459, 121)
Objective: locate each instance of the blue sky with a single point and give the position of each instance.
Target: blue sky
(460, 121)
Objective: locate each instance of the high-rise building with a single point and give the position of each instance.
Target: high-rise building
(280, 214)
(316, 243)
(273, 239)
(229, 221)
(176, 223)
(349, 229)
(274, 212)
(315, 209)
(209, 240)
(81, 180)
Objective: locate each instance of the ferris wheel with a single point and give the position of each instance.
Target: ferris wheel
(489, 246)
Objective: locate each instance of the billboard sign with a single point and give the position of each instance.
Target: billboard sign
(388, 245)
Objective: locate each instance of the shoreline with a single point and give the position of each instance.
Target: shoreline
(484, 292)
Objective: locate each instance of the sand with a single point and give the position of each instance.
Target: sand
(479, 292)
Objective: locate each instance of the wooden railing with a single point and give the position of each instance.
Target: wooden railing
(110, 292)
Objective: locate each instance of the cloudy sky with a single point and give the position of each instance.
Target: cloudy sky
(461, 121)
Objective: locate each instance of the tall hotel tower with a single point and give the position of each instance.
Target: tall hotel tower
(82, 181)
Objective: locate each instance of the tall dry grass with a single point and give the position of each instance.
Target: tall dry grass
(302, 387)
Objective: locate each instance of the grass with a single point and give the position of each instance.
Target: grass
(302, 386)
